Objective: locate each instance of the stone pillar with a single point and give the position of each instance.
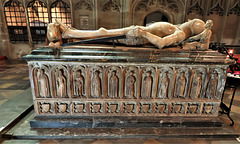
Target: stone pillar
(224, 18)
(28, 25)
(5, 41)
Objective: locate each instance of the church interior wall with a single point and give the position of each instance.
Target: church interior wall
(93, 14)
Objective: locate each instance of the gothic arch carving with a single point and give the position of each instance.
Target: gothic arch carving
(65, 1)
(84, 4)
(197, 8)
(111, 5)
(171, 8)
(165, 4)
(218, 8)
(235, 9)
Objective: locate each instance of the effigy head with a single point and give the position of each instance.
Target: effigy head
(209, 24)
(197, 26)
(53, 32)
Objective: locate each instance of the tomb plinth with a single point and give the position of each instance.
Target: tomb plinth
(89, 82)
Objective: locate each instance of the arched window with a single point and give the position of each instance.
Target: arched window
(155, 17)
(16, 21)
(38, 19)
(61, 11)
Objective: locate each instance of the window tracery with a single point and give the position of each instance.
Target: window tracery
(16, 21)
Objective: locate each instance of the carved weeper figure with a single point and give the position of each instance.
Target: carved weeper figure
(61, 85)
(212, 86)
(96, 85)
(196, 86)
(113, 85)
(43, 84)
(160, 34)
(180, 85)
(79, 84)
(163, 86)
(129, 88)
(147, 85)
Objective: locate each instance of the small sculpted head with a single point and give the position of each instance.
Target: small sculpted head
(209, 24)
(148, 73)
(41, 71)
(114, 72)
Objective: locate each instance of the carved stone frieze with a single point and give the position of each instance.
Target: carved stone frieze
(62, 107)
(161, 108)
(84, 89)
(79, 107)
(178, 108)
(193, 108)
(45, 107)
(113, 107)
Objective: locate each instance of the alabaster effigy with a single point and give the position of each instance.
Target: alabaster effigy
(102, 80)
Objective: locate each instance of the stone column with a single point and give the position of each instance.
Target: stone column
(28, 25)
(72, 13)
(223, 21)
(5, 41)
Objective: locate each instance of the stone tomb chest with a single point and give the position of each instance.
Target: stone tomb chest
(102, 81)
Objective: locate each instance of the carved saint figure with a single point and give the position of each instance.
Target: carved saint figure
(160, 34)
(61, 85)
(212, 86)
(147, 85)
(129, 89)
(79, 84)
(43, 84)
(196, 86)
(181, 84)
(163, 86)
(96, 85)
(113, 85)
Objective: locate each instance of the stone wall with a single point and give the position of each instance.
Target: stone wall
(122, 13)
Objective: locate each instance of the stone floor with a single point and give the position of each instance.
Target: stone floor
(14, 81)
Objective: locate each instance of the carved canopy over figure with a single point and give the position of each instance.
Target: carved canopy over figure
(160, 34)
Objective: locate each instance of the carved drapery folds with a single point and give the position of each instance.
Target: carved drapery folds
(182, 83)
(144, 90)
(148, 82)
